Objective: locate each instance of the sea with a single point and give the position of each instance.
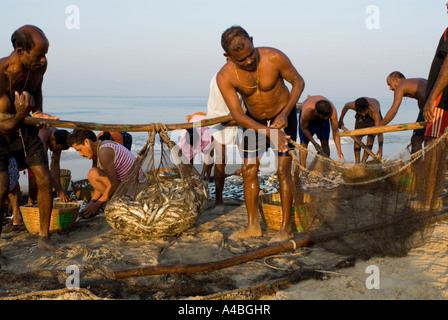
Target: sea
(174, 109)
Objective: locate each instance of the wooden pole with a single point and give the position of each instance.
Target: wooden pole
(281, 247)
(117, 127)
(383, 129)
(362, 145)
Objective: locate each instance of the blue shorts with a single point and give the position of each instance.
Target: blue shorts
(255, 144)
(319, 128)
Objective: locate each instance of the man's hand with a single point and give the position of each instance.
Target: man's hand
(427, 111)
(43, 124)
(379, 154)
(24, 103)
(64, 196)
(92, 209)
(280, 140)
(280, 122)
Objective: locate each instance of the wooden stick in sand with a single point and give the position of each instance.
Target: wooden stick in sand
(383, 129)
(281, 247)
(117, 127)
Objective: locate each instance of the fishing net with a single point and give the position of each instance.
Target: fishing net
(382, 207)
(162, 195)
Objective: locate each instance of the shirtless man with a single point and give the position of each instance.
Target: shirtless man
(21, 76)
(54, 140)
(258, 75)
(368, 114)
(435, 112)
(317, 116)
(413, 88)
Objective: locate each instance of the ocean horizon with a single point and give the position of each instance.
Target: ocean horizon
(174, 109)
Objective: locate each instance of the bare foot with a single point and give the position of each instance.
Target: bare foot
(281, 236)
(45, 243)
(219, 209)
(247, 233)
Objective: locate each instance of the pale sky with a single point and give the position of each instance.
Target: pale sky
(172, 47)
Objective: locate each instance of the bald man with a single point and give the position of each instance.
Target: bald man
(21, 77)
(413, 88)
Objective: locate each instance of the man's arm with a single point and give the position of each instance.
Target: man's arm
(439, 86)
(107, 156)
(304, 124)
(335, 130)
(377, 121)
(398, 97)
(23, 103)
(347, 106)
(289, 73)
(55, 169)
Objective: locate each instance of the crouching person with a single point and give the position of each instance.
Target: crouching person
(113, 162)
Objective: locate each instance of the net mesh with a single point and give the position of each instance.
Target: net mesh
(162, 194)
(378, 208)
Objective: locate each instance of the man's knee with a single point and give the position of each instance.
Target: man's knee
(249, 171)
(93, 174)
(42, 176)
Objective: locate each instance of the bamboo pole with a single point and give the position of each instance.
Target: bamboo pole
(118, 127)
(383, 129)
(362, 145)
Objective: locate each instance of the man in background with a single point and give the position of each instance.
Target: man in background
(317, 117)
(368, 114)
(413, 88)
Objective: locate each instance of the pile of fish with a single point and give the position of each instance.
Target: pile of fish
(162, 209)
(234, 186)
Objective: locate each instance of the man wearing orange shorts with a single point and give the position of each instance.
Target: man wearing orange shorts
(436, 114)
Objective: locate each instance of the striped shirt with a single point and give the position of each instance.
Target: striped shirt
(123, 160)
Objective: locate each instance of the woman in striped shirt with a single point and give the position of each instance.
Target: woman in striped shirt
(113, 162)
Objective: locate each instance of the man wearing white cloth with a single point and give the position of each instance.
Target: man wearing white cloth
(223, 134)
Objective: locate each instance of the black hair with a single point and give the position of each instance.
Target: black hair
(323, 107)
(105, 136)
(79, 136)
(232, 39)
(361, 105)
(23, 38)
(60, 137)
(396, 75)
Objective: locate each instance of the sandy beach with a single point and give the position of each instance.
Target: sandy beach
(310, 273)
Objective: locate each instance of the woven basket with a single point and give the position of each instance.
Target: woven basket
(83, 190)
(66, 176)
(63, 216)
(271, 211)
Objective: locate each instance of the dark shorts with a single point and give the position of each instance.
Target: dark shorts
(319, 128)
(28, 152)
(420, 118)
(255, 143)
(364, 122)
